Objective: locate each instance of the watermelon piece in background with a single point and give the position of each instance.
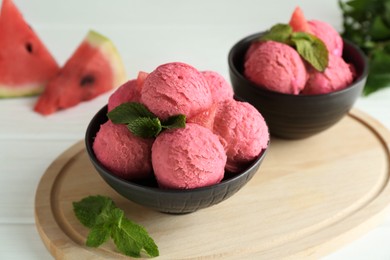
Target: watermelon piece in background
(298, 21)
(142, 75)
(26, 65)
(93, 69)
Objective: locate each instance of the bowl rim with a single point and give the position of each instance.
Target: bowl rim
(139, 187)
(252, 37)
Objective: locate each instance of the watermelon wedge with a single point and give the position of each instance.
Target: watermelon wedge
(93, 69)
(25, 63)
(298, 21)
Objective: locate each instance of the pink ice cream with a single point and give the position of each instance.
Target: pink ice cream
(126, 155)
(187, 158)
(220, 89)
(276, 66)
(243, 132)
(176, 88)
(128, 92)
(328, 35)
(338, 75)
(320, 29)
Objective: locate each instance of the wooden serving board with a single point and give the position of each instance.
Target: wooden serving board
(309, 197)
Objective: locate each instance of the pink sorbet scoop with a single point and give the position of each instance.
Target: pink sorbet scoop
(275, 66)
(220, 89)
(243, 132)
(187, 158)
(126, 155)
(176, 88)
(338, 75)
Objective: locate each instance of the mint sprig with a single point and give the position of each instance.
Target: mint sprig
(278, 33)
(141, 122)
(105, 220)
(312, 49)
(309, 47)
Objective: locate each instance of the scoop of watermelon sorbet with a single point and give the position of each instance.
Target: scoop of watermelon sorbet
(338, 75)
(128, 92)
(322, 30)
(328, 35)
(220, 89)
(243, 131)
(187, 158)
(123, 153)
(176, 88)
(275, 66)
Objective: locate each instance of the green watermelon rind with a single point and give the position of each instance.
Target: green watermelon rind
(21, 91)
(110, 52)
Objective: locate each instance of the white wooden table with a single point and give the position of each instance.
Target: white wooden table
(147, 33)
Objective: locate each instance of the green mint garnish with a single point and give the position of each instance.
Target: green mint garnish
(145, 127)
(91, 209)
(141, 122)
(279, 33)
(172, 122)
(127, 112)
(105, 220)
(311, 48)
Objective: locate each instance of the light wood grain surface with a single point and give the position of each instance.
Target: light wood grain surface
(147, 33)
(309, 197)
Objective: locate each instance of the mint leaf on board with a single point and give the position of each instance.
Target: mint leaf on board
(98, 235)
(173, 122)
(131, 238)
(312, 49)
(105, 220)
(145, 127)
(90, 210)
(367, 24)
(309, 47)
(127, 112)
(279, 33)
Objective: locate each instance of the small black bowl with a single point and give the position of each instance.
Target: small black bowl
(148, 194)
(297, 116)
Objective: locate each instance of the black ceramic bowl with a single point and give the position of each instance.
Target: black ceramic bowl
(148, 194)
(297, 116)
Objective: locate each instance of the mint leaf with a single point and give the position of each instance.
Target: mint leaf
(279, 33)
(105, 220)
(98, 235)
(89, 210)
(145, 127)
(309, 47)
(131, 238)
(312, 49)
(127, 112)
(141, 122)
(178, 121)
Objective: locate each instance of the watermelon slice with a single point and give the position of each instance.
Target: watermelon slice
(142, 75)
(93, 69)
(205, 118)
(298, 21)
(25, 63)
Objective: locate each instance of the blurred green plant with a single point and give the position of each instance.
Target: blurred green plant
(367, 24)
